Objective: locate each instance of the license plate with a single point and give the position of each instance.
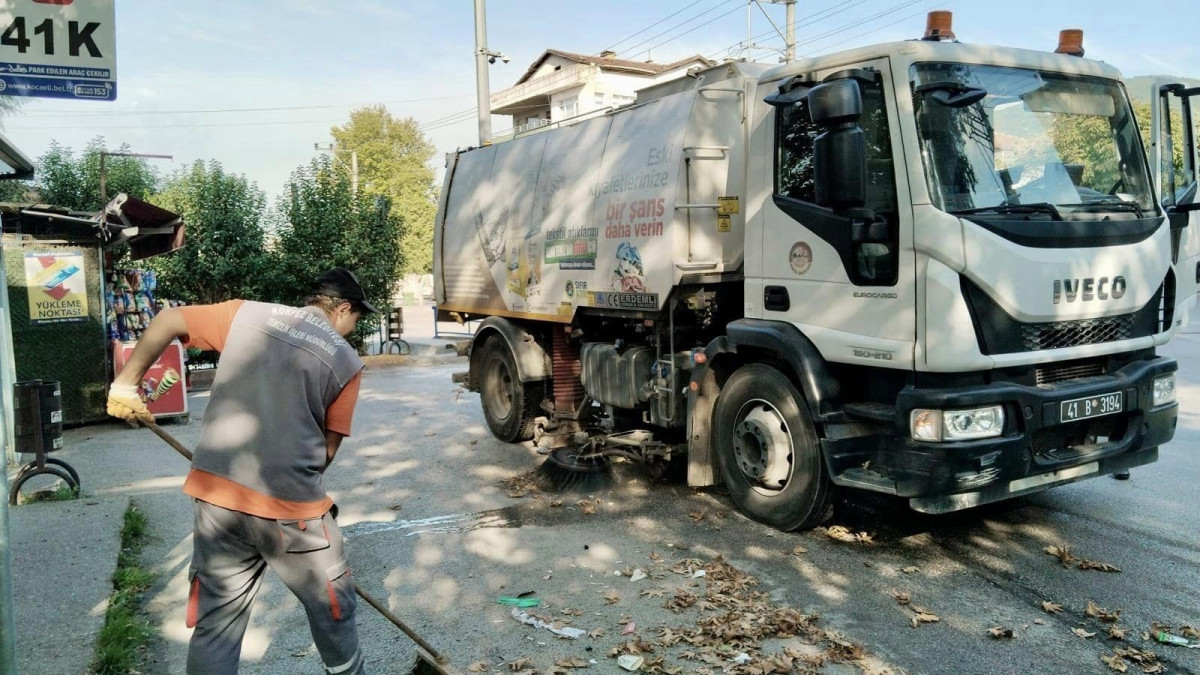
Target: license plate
(1092, 406)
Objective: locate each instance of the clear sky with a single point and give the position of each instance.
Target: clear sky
(318, 59)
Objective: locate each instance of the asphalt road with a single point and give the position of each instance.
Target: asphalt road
(430, 530)
(459, 542)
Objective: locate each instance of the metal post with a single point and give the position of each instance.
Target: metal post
(103, 180)
(790, 54)
(482, 89)
(8, 621)
(354, 171)
(749, 30)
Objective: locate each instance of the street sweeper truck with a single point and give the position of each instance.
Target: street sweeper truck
(927, 269)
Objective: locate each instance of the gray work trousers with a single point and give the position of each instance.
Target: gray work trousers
(231, 552)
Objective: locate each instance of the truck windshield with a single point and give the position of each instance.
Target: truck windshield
(1014, 140)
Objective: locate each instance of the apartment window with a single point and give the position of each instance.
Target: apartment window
(568, 107)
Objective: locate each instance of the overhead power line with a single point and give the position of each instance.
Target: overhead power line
(669, 16)
(823, 15)
(634, 50)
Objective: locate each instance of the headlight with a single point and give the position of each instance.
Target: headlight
(957, 425)
(1164, 390)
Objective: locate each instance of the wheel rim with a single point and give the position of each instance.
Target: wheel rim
(762, 447)
(498, 389)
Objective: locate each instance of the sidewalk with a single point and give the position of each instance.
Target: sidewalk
(64, 554)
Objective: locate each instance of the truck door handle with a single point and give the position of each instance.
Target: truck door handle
(776, 299)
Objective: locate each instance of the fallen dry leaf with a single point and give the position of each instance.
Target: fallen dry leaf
(1097, 612)
(612, 597)
(586, 506)
(924, 617)
(680, 601)
(596, 633)
(573, 662)
(697, 515)
(1062, 552)
(1115, 633)
(910, 570)
(843, 533)
(520, 664)
(1189, 632)
(1001, 633)
(656, 557)
(652, 592)
(1099, 566)
(478, 667)
(573, 612)
(395, 507)
(799, 550)
(1051, 607)
(901, 597)
(556, 502)
(1115, 662)
(1040, 622)
(1083, 633)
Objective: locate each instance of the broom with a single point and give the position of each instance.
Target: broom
(429, 661)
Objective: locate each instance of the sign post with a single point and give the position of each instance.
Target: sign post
(59, 49)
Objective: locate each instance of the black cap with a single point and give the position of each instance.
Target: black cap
(340, 282)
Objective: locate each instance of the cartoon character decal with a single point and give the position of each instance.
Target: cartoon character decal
(629, 273)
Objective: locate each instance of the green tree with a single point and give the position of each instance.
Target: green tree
(73, 181)
(393, 162)
(225, 255)
(326, 225)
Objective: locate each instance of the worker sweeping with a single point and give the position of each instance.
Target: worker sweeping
(283, 399)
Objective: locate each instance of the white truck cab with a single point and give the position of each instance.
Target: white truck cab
(929, 269)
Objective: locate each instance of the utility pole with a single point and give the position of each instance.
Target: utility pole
(104, 168)
(790, 54)
(482, 88)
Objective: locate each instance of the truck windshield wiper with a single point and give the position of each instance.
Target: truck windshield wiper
(1120, 205)
(1038, 207)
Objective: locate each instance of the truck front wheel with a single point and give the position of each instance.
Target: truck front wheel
(509, 405)
(768, 450)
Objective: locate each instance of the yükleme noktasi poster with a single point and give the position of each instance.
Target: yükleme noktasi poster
(57, 287)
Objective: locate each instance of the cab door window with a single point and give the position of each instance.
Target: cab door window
(1177, 167)
(868, 263)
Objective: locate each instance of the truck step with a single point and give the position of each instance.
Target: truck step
(865, 479)
(877, 412)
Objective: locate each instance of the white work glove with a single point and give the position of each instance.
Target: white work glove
(124, 402)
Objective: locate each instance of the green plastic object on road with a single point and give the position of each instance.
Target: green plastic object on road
(522, 600)
(1169, 639)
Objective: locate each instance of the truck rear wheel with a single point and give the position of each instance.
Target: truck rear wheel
(509, 405)
(768, 450)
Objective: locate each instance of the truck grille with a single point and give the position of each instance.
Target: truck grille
(1071, 371)
(1059, 334)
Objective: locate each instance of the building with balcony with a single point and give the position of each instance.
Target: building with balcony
(560, 85)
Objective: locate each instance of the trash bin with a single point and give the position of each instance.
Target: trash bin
(38, 431)
(37, 416)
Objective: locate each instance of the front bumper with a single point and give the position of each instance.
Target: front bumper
(1037, 450)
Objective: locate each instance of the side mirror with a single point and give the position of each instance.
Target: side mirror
(840, 150)
(835, 102)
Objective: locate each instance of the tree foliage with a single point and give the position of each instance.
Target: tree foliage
(225, 255)
(326, 225)
(393, 162)
(73, 181)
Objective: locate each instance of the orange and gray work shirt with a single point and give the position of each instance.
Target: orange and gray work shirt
(284, 378)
